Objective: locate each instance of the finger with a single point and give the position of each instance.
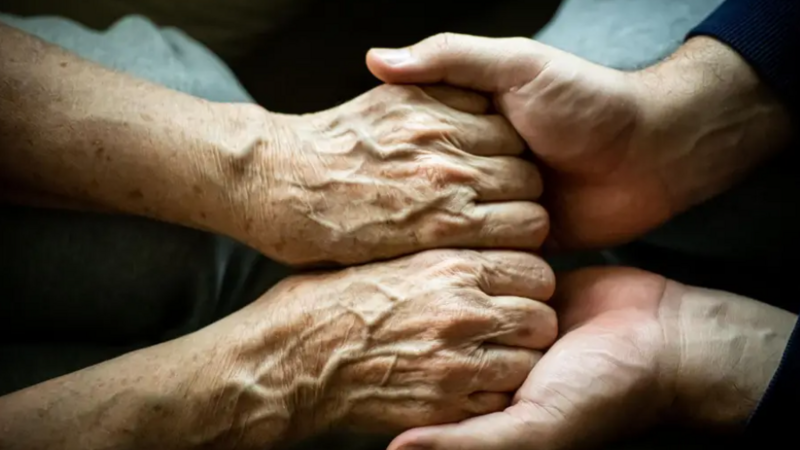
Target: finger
(505, 430)
(506, 178)
(459, 99)
(518, 225)
(524, 323)
(483, 64)
(490, 135)
(516, 274)
(509, 225)
(392, 415)
(500, 368)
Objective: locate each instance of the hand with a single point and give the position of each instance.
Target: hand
(622, 152)
(395, 171)
(636, 349)
(432, 338)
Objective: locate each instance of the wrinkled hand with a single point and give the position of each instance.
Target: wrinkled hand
(433, 338)
(622, 152)
(636, 349)
(395, 171)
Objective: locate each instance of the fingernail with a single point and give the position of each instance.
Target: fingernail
(393, 57)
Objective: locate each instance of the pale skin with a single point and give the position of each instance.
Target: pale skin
(621, 153)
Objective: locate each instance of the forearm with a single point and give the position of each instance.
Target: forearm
(74, 130)
(712, 120)
(184, 394)
(730, 348)
(133, 402)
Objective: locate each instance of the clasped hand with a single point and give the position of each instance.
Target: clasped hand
(445, 336)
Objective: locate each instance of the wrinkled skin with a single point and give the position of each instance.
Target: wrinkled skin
(433, 338)
(636, 349)
(394, 171)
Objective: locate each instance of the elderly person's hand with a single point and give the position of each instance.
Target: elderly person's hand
(397, 170)
(428, 339)
(635, 349)
(393, 172)
(621, 152)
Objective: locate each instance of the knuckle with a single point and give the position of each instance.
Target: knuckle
(424, 128)
(451, 228)
(439, 172)
(443, 41)
(393, 96)
(407, 92)
(518, 42)
(464, 322)
(459, 263)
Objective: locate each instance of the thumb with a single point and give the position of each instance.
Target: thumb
(472, 62)
(506, 430)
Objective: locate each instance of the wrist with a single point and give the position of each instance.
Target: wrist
(240, 192)
(707, 120)
(730, 347)
(253, 393)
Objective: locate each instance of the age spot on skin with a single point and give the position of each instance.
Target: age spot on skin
(63, 64)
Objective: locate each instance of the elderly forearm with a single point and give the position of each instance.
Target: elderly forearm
(73, 130)
(133, 402)
(185, 394)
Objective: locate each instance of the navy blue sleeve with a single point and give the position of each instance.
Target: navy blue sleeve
(775, 418)
(767, 35)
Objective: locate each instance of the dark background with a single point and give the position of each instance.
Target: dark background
(310, 54)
